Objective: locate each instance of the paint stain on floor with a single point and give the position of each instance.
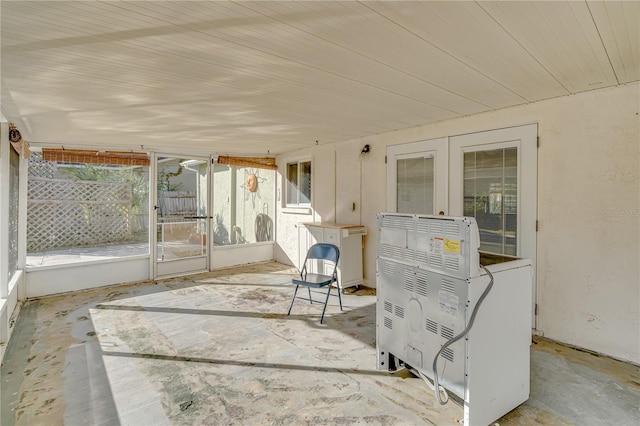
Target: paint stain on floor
(218, 347)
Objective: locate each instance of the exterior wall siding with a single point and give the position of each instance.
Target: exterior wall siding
(588, 208)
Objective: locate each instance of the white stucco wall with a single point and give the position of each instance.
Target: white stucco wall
(588, 204)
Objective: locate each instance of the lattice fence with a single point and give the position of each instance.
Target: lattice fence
(40, 168)
(68, 213)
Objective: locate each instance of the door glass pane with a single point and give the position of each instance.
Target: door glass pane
(491, 196)
(415, 183)
(182, 208)
(243, 204)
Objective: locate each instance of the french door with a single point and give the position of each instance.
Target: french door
(491, 176)
(182, 218)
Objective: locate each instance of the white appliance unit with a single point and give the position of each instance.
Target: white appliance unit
(429, 281)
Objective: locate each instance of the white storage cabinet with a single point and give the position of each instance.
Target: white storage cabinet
(348, 238)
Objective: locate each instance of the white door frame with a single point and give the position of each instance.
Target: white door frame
(449, 179)
(178, 266)
(525, 138)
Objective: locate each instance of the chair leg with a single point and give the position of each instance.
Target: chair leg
(293, 299)
(325, 303)
(310, 299)
(340, 297)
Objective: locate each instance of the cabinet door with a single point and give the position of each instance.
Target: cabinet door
(315, 235)
(332, 236)
(303, 244)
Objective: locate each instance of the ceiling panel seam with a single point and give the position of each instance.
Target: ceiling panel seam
(615, 74)
(284, 58)
(228, 85)
(523, 47)
(369, 58)
(446, 52)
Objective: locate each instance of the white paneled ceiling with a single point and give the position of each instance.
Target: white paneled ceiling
(275, 76)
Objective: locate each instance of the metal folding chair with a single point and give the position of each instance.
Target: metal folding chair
(326, 253)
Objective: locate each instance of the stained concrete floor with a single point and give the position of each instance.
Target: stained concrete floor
(218, 348)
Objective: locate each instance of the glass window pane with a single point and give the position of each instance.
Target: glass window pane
(14, 187)
(179, 240)
(491, 196)
(298, 189)
(415, 185)
(78, 212)
(305, 182)
(292, 183)
(221, 204)
(182, 208)
(244, 205)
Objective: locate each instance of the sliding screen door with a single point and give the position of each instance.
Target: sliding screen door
(182, 220)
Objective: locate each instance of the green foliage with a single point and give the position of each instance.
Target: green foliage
(164, 177)
(136, 177)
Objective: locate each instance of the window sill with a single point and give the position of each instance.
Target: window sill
(296, 210)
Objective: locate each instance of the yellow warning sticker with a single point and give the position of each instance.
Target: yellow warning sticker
(452, 246)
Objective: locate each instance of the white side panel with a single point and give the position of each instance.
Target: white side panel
(4, 208)
(227, 256)
(498, 344)
(9, 308)
(350, 265)
(66, 278)
(186, 266)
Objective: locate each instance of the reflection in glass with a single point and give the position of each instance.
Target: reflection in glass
(292, 183)
(14, 187)
(305, 182)
(244, 204)
(182, 208)
(491, 196)
(79, 211)
(179, 240)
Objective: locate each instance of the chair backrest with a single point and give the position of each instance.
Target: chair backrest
(323, 251)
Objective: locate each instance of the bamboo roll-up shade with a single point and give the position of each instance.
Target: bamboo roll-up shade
(21, 147)
(17, 142)
(257, 162)
(111, 158)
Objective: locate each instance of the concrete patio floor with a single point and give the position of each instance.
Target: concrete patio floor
(218, 348)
